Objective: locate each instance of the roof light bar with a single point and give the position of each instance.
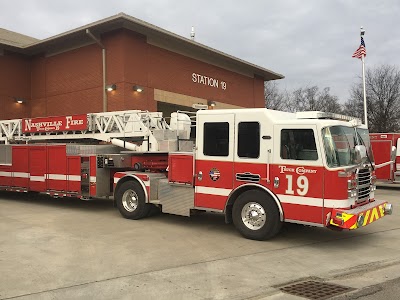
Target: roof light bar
(326, 115)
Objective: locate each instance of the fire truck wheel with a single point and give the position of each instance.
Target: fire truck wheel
(130, 200)
(256, 215)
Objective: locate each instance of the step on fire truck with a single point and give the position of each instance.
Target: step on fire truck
(386, 148)
(259, 167)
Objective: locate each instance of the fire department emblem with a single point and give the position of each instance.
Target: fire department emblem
(214, 174)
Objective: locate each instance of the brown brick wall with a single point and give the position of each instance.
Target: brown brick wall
(14, 82)
(67, 83)
(172, 72)
(71, 82)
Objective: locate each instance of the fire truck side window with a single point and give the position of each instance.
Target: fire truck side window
(249, 140)
(298, 144)
(216, 139)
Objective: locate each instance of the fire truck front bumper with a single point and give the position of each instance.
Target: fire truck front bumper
(361, 215)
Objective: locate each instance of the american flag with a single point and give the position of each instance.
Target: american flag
(214, 174)
(361, 51)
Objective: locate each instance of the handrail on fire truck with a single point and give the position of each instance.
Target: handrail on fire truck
(104, 126)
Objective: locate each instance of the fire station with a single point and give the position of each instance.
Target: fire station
(121, 63)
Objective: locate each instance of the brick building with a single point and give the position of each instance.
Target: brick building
(69, 73)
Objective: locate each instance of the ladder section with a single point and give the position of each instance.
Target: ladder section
(10, 129)
(99, 126)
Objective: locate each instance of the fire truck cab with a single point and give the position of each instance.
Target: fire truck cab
(258, 167)
(263, 167)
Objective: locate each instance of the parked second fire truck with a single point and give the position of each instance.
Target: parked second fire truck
(259, 167)
(385, 146)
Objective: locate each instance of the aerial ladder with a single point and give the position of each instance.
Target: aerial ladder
(135, 130)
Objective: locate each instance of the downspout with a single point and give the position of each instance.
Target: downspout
(103, 52)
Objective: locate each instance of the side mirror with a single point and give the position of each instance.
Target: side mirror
(360, 154)
(393, 154)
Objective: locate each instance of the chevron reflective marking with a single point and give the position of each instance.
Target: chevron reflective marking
(366, 218)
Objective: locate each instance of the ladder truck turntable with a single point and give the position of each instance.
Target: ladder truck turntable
(257, 166)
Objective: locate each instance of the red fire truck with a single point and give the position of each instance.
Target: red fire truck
(259, 167)
(383, 146)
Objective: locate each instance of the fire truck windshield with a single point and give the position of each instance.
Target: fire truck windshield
(339, 143)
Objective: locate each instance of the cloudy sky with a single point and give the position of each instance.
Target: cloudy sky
(308, 41)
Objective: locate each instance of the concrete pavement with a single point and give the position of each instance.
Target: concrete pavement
(66, 248)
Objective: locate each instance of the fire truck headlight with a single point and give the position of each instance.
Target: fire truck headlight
(352, 193)
(360, 220)
(351, 184)
(388, 209)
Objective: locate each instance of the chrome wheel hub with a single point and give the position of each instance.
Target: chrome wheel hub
(253, 216)
(130, 200)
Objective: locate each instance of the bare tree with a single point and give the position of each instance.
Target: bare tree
(311, 98)
(301, 99)
(355, 105)
(274, 98)
(328, 102)
(383, 99)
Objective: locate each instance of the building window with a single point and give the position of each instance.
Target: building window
(249, 140)
(298, 144)
(216, 139)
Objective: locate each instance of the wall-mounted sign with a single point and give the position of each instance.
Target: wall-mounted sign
(66, 123)
(209, 81)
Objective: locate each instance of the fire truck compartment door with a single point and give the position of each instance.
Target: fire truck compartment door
(297, 173)
(382, 152)
(214, 160)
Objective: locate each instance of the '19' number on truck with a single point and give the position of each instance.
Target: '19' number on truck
(302, 185)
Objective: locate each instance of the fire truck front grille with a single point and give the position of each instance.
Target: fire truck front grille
(364, 183)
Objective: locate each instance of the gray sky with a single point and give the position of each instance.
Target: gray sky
(308, 41)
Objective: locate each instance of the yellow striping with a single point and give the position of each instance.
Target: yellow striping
(382, 210)
(366, 217)
(370, 216)
(346, 217)
(354, 226)
(374, 215)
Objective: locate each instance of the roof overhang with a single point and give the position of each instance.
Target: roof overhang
(155, 35)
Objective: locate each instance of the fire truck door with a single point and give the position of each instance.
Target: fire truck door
(297, 173)
(214, 160)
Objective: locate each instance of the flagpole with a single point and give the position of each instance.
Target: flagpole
(362, 32)
(365, 97)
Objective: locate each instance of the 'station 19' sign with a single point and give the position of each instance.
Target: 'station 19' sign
(209, 81)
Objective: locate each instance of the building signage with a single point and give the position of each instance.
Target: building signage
(209, 81)
(66, 123)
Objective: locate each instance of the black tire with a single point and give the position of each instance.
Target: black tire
(131, 201)
(266, 222)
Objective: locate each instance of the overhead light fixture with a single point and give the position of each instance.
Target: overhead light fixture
(111, 87)
(211, 103)
(19, 100)
(138, 88)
